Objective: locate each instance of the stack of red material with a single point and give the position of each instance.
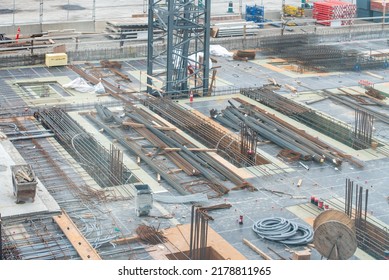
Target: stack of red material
(331, 13)
(378, 5)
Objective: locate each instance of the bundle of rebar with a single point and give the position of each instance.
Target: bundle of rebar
(150, 235)
(363, 130)
(284, 134)
(372, 236)
(374, 93)
(195, 162)
(101, 165)
(216, 207)
(311, 118)
(198, 234)
(206, 132)
(355, 105)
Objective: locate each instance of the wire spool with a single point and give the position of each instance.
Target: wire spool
(334, 235)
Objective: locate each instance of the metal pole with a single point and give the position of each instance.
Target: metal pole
(41, 14)
(170, 47)
(346, 197)
(1, 242)
(150, 51)
(144, 6)
(207, 42)
(67, 14)
(94, 15)
(366, 200)
(191, 233)
(13, 14)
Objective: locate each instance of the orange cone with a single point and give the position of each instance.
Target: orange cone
(17, 34)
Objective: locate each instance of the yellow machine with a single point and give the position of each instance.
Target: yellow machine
(293, 11)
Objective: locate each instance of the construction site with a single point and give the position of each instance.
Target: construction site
(193, 130)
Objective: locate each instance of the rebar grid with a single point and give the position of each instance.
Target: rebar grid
(372, 236)
(94, 158)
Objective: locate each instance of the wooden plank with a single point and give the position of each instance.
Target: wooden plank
(139, 125)
(202, 150)
(216, 124)
(126, 240)
(164, 128)
(374, 75)
(256, 249)
(169, 149)
(179, 239)
(79, 242)
(132, 124)
(173, 171)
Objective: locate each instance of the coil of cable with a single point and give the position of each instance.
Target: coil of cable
(283, 230)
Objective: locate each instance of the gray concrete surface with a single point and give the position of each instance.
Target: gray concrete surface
(44, 202)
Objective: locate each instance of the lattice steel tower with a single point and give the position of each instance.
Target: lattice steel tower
(178, 46)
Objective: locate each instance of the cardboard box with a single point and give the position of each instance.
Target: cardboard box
(56, 59)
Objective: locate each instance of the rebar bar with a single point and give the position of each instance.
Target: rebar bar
(371, 235)
(198, 234)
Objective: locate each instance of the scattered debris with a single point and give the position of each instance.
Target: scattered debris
(150, 235)
(245, 185)
(374, 93)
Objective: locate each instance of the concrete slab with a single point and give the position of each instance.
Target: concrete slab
(44, 202)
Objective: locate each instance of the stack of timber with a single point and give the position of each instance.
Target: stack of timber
(62, 34)
(334, 13)
(235, 28)
(244, 55)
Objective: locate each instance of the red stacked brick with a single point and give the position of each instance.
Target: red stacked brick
(328, 13)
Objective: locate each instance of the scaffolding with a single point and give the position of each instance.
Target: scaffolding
(185, 60)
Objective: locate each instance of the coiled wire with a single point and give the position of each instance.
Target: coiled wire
(284, 231)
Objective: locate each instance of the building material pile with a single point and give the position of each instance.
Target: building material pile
(135, 28)
(244, 55)
(374, 93)
(332, 13)
(255, 13)
(150, 235)
(24, 182)
(232, 29)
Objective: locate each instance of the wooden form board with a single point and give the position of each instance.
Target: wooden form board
(179, 236)
(216, 124)
(256, 249)
(79, 242)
